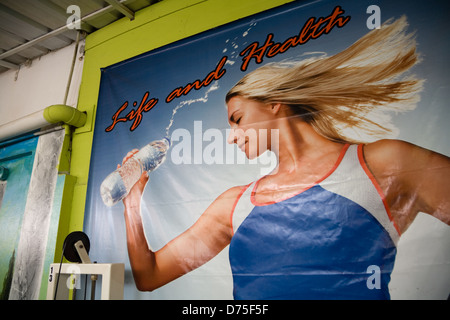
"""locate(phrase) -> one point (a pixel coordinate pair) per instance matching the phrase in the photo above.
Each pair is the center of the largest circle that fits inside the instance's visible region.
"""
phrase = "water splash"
(232, 46)
(203, 99)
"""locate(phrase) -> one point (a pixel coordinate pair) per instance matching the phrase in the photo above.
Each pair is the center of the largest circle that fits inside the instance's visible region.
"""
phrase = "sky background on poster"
(178, 194)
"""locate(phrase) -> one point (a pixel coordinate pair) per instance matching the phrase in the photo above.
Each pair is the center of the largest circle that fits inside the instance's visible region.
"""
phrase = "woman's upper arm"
(430, 180)
(412, 178)
(209, 235)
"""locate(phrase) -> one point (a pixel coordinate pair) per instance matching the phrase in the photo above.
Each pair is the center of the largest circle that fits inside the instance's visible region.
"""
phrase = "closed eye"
(235, 119)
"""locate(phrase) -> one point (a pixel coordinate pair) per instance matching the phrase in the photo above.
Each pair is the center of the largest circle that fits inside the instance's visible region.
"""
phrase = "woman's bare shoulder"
(224, 203)
(396, 155)
(220, 210)
(393, 156)
(232, 193)
(389, 147)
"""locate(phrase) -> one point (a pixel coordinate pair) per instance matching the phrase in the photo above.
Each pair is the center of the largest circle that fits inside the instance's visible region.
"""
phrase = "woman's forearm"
(142, 258)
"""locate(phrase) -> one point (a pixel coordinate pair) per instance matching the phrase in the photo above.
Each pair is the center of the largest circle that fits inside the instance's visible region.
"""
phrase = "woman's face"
(251, 124)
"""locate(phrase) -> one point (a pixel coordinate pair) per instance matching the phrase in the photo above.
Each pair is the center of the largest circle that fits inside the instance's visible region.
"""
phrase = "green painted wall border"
(158, 25)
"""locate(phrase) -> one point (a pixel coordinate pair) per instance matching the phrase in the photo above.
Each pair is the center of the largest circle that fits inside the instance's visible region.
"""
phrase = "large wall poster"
(284, 249)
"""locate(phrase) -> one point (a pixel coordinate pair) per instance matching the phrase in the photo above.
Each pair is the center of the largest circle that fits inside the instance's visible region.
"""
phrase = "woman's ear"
(275, 108)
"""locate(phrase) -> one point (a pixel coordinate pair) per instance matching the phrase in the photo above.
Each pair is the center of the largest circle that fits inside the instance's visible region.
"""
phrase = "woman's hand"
(133, 199)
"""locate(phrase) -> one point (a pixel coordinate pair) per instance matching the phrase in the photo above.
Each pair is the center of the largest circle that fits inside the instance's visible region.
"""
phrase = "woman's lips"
(242, 146)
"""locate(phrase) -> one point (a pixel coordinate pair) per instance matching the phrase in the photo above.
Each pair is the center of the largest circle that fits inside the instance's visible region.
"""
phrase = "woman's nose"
(232, 137)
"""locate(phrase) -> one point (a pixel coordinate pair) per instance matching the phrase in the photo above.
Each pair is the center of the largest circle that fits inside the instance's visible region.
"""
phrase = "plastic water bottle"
(117, 185)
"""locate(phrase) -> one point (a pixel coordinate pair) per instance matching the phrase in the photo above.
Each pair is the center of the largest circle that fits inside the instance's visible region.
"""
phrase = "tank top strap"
(242, 206)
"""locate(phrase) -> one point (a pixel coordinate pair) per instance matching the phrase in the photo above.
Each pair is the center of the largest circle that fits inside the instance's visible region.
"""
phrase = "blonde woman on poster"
(336, 205)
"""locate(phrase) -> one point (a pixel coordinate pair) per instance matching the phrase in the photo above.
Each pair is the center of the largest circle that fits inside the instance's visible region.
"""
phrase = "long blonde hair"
(345, 97)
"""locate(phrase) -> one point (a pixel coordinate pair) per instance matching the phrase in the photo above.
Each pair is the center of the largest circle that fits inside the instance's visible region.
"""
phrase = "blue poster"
(282, 156)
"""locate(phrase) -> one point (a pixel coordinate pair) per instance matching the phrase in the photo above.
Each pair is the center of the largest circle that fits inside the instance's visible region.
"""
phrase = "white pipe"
(23, 125)
(40, 119)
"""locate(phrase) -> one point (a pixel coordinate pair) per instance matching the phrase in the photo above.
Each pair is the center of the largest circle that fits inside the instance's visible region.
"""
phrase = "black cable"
(59, 272)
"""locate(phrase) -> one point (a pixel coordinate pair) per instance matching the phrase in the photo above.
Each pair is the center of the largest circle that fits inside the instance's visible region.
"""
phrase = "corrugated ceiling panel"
(45, 12)
(25, 20)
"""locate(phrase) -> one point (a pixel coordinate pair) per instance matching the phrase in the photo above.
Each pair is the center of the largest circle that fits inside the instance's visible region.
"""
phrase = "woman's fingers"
(129, 155)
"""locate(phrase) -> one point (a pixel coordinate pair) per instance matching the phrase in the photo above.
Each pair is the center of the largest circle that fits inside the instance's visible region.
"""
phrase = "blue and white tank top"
(333, 240)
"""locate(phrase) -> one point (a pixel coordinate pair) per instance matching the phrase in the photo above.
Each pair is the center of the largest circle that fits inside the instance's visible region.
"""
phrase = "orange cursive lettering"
(312, 29)
(216, 74)
(136, 115)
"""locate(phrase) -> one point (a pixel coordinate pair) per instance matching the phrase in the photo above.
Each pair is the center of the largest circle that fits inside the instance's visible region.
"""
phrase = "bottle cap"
(168, 141)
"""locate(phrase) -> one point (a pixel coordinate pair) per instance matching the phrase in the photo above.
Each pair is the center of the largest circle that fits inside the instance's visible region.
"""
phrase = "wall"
(39, 85)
